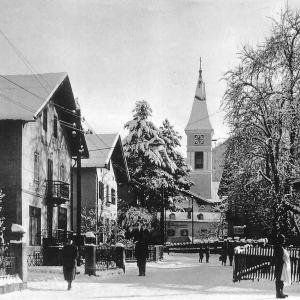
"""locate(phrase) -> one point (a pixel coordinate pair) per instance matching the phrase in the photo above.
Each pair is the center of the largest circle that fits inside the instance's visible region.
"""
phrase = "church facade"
(199, 143)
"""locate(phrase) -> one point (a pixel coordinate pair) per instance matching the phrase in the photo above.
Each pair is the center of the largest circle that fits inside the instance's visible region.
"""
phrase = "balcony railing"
(59, 192)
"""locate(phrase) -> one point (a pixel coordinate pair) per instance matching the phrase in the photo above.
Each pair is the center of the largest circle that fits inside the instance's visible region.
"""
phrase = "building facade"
(101, 176)
(36, 152)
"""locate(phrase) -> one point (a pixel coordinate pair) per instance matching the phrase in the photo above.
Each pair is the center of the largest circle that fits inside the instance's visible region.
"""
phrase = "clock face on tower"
(199, 139)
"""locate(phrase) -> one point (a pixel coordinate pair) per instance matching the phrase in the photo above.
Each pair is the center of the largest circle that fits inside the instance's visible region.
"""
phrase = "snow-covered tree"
(154, 172)
(263, 113)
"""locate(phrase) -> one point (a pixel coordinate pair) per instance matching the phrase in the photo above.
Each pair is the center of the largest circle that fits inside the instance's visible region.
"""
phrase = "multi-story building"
(101, 175)
(37, 144)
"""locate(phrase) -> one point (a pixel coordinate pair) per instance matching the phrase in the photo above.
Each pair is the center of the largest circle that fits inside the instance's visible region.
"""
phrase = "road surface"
(177, 276)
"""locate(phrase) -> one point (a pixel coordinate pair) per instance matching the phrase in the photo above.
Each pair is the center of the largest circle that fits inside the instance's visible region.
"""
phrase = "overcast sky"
(117, 52)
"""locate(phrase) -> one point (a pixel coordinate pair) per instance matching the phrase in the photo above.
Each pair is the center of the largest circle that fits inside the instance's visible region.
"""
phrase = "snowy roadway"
(177, 277)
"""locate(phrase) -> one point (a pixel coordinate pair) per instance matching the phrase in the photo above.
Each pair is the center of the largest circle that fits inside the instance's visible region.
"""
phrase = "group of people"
(281, 257)
(227, 250)
(204, 250)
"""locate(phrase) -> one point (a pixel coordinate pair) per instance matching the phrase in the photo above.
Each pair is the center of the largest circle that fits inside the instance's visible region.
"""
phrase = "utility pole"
(78, 142)
(162, 214)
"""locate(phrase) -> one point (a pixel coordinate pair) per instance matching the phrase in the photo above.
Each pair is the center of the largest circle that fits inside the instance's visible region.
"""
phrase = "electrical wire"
(26, 62)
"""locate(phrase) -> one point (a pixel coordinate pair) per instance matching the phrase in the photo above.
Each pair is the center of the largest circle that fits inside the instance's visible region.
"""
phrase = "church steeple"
(199, 142)
(199, 118)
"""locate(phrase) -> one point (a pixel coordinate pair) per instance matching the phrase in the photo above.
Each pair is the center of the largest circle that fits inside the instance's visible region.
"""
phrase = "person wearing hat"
(282, 266)
(69, 255)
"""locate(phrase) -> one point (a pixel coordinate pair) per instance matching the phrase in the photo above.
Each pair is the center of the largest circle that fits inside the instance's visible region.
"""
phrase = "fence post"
(120, 256)
(20, 251)
(90, 260)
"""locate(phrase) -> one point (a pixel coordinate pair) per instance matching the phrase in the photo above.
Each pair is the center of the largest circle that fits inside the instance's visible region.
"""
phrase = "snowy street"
(178, 276)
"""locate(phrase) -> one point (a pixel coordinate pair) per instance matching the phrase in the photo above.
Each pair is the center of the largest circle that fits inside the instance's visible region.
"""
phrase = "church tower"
(199, 142)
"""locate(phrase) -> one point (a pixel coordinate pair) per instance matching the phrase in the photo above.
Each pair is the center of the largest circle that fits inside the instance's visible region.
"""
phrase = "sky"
(119, 52)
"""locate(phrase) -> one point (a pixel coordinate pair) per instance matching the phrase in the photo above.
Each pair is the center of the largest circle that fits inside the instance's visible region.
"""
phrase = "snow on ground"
(177, 276)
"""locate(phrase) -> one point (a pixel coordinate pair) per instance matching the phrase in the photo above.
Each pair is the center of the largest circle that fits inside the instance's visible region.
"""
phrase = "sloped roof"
(104, 148)
(200, 199)
(23, 96)
(100, 148)
(199, 118)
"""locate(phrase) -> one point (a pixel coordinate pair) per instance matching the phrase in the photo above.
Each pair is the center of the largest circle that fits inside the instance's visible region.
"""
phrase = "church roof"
(199, 118)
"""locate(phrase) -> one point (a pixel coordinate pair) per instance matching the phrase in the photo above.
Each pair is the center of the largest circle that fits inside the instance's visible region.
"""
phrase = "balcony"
(58, 192)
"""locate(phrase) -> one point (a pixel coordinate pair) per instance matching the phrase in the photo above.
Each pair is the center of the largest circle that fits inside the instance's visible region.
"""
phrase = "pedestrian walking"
(224, 253)
(207, 253)
(69, 254)
(141, 254)
(201, 253)
(282, 266)
(230, 251)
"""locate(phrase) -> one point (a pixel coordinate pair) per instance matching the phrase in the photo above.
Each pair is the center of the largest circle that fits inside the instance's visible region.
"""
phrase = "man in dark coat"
(207, 253)
(201, 253)
(141, 254)
(230, 251)
(69, 254)
(224, 253)
(278, 253)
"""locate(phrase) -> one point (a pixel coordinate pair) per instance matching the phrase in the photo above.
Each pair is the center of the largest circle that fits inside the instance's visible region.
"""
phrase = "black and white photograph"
(149, 149)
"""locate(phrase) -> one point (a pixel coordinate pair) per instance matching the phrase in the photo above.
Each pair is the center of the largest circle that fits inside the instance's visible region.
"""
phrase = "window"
(62, 218)
(62, 173)
(101, 190)
(34, 226)
(55, 127)
(45, 119)
(198, 160)
(184, 232)
(172, 216)
(200, 217)
(36, 166)
(113, 196)
(170, 232)
(107, 194)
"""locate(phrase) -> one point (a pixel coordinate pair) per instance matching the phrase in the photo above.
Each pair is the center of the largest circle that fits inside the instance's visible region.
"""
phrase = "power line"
(22, 88)
(26, 62)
